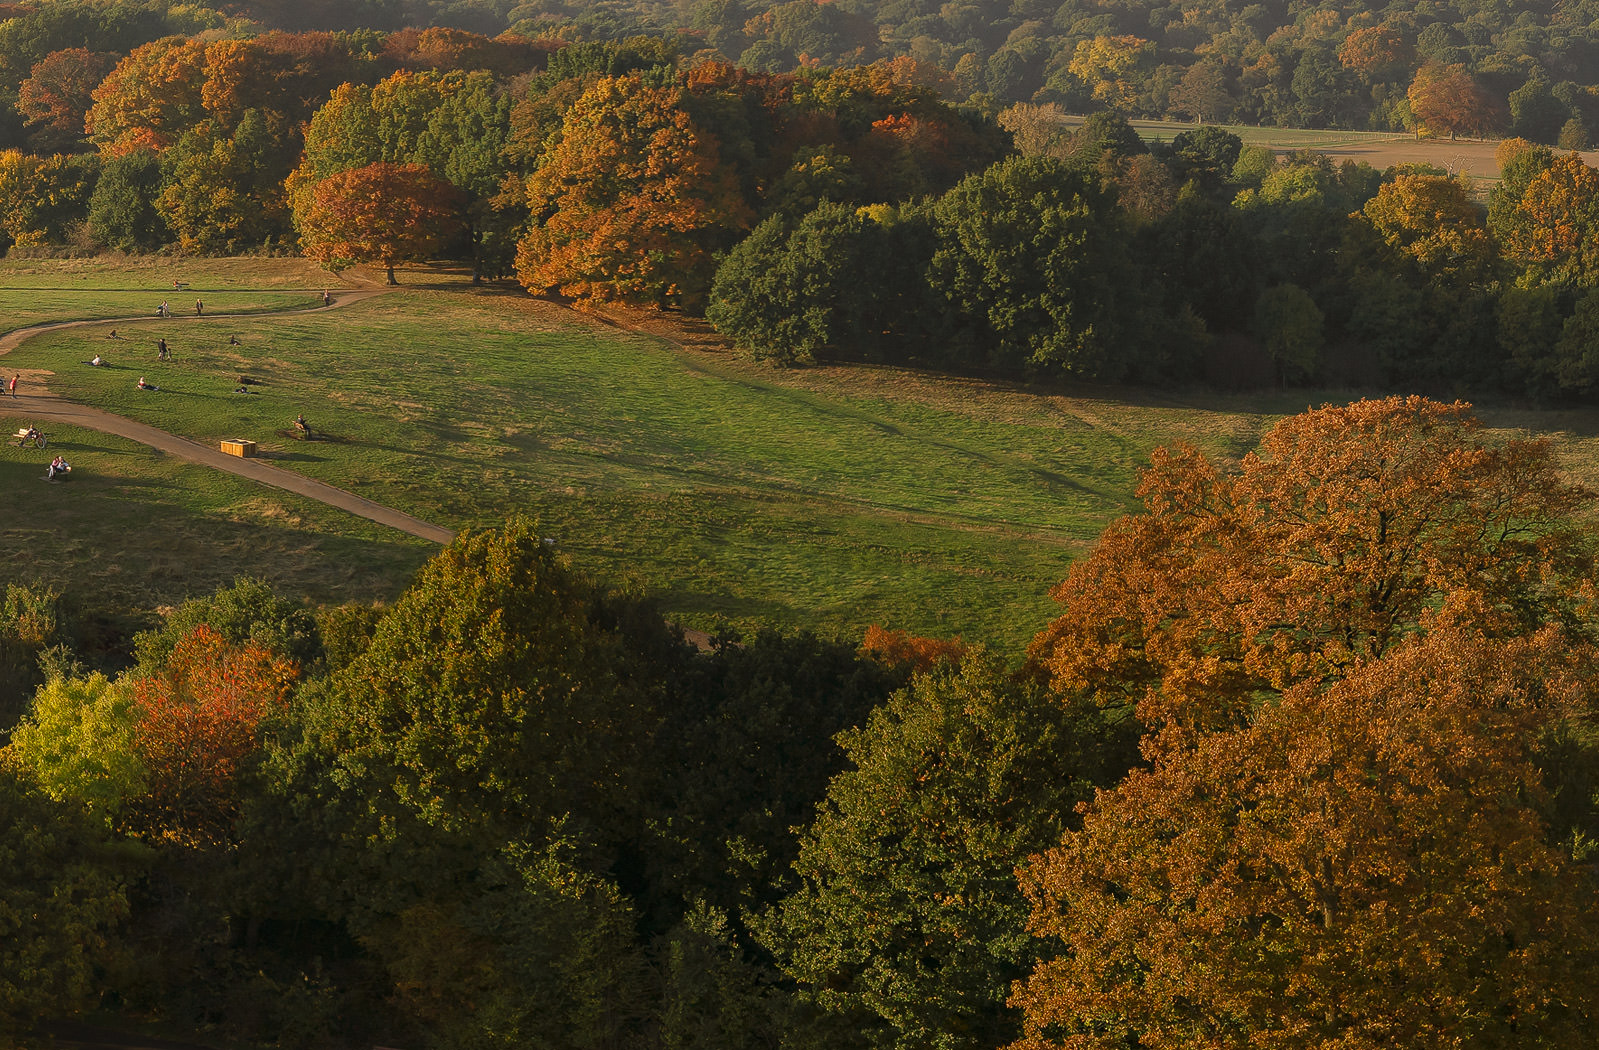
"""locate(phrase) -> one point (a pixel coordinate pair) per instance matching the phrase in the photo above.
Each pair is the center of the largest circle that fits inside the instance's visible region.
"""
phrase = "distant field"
(137, 529)
(736, 493)
(22, 308)
(156, 274)
(1380, 149)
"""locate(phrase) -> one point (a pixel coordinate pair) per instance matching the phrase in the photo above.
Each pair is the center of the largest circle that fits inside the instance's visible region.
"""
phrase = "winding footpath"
(46, 406)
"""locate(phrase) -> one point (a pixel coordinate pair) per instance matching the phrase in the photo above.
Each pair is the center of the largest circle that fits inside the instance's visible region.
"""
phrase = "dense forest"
(856, 212)
(638, 170)
(1306, 760)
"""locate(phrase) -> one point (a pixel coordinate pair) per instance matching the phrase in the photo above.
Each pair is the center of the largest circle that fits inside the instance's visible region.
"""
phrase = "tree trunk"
(389, 269)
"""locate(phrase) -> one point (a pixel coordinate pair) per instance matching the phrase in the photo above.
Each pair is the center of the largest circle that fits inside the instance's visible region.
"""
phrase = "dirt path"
(43, 405)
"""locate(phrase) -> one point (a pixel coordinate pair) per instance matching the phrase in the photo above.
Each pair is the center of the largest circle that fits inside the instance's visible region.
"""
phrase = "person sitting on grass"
(301, 425)
(147, 386)
(57, 466)
(96, 362)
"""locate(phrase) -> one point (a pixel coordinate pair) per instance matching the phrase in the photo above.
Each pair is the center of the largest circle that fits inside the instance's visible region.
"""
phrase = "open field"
(22, 308)
(827, 497)
(135, 528)
(1380, 149)
(155, 274)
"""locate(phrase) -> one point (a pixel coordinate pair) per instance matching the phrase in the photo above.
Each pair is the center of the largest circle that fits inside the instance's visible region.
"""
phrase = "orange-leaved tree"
(1447, 100)
(198, 723)
(1324, 549)
(1553, 229)
(630, 201)
(57, 94)
(1367, 865)
(381, 213)
(150, 99)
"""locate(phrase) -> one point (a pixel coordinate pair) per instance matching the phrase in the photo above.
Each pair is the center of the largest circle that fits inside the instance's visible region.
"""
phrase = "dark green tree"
(909, 927)
(1033, 264)
(59, 900)
(122, 211)
(820, 291)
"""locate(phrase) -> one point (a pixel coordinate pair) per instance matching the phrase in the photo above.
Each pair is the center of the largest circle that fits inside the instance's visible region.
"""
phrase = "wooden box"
(239, 448)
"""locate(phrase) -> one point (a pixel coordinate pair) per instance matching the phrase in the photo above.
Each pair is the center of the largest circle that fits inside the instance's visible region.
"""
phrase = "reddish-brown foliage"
(1363, 866)
(909, 651)
(1323, 550)
(381, 213)
(198, 723)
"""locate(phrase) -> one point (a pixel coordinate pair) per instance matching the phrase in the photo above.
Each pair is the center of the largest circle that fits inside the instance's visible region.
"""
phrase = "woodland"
(1305, 760)
(874, 211)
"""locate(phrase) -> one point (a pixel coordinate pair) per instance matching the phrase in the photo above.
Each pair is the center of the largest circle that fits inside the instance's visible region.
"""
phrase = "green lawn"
(134, 528)
(156, 273)
(828, 497)
(833, 497)
(24, 307)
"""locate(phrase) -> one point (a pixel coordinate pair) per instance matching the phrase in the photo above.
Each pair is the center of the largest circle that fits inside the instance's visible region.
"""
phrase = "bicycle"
(29, 436)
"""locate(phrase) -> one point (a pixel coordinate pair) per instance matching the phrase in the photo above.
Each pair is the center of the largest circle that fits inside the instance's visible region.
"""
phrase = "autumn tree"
(1202, 93)
(1112, 68)
(41, 196)
(57, 95)
(629, 201)
(1364, 864)
(197, 726)
(1380, 52)
(455, 123)
(1553, 230)
(1432, 220)
(151, 98)
(77, 743)
(1324, 550)
(385, 214)
(1449, 101)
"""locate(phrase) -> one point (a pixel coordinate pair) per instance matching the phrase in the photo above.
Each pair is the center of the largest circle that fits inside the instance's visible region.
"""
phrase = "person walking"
(161, 311)
(199, 308)
(13, 384)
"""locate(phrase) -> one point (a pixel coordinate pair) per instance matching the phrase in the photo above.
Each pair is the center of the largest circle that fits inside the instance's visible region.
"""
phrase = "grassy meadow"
(735, 493)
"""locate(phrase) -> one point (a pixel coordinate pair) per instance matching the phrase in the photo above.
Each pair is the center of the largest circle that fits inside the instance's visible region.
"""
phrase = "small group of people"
(58, 466)
(162, 351)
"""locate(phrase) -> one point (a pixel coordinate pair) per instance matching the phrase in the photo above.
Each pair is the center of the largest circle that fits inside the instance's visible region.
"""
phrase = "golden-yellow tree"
(1432, 219)
(1360, 867)
(630, 201)
(1350, 656)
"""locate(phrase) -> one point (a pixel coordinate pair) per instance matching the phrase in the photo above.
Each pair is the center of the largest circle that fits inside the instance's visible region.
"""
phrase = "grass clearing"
(133, 528)
(155, 274)
(25, 307)
(736, 493)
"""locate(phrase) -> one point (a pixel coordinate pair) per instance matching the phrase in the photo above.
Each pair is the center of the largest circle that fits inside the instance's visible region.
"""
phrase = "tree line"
(1306, 759)
(829, 214)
